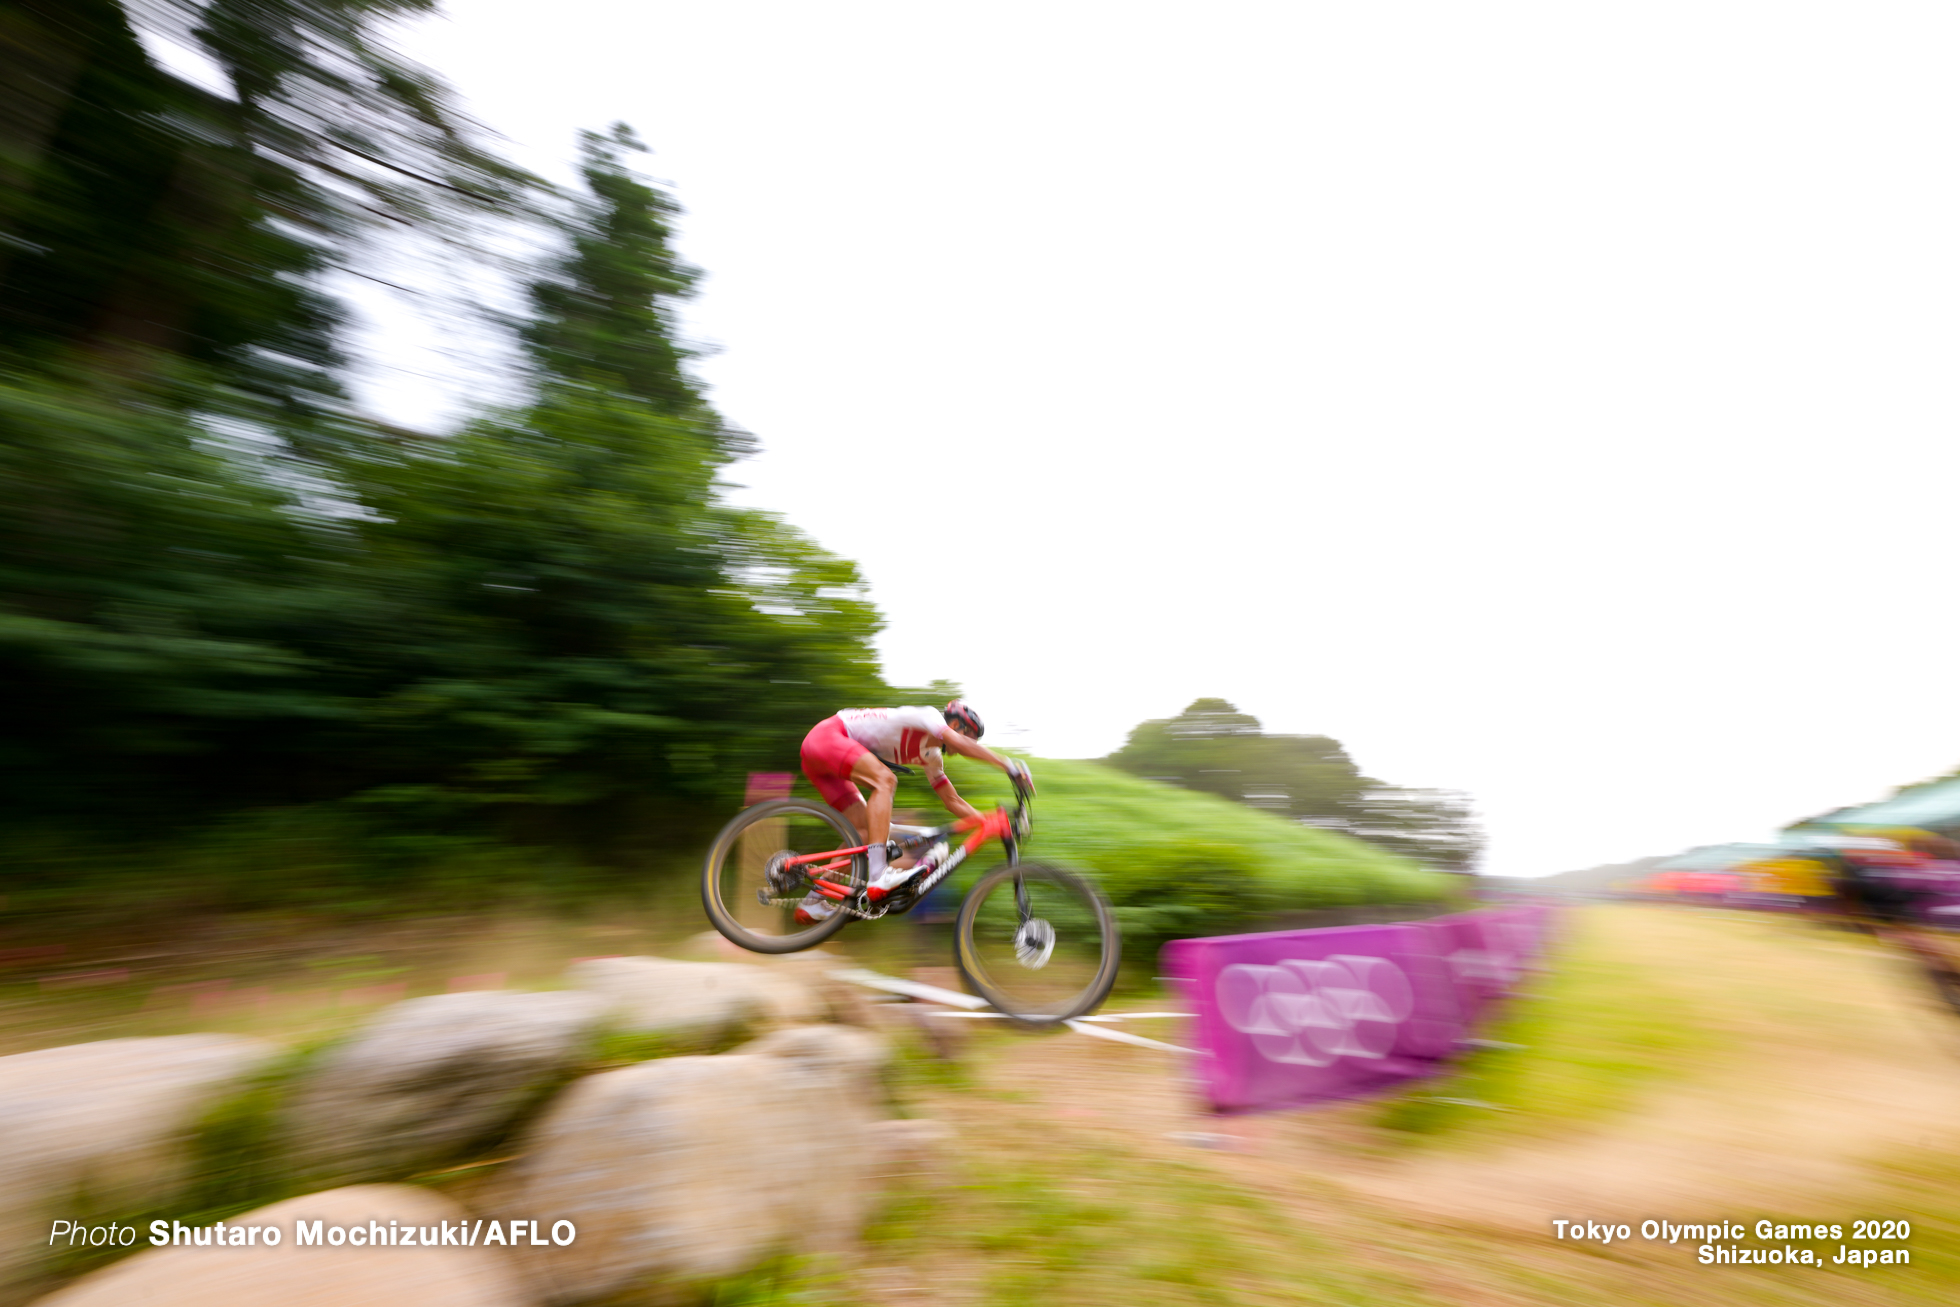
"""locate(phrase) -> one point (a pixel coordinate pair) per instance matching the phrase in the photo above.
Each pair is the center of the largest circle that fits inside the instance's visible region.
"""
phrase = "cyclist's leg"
(830, 758)
(878, 817)
(878, 778)
(860, 816)
(829, 755)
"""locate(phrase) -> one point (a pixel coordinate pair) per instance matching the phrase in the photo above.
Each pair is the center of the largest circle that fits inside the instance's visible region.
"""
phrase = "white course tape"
(972, 1004)
(1124, 1037)
(909, 988)
(1103, 1016)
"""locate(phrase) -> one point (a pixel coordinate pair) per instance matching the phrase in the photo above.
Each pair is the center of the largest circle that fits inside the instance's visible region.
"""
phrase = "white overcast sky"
(1555, 402)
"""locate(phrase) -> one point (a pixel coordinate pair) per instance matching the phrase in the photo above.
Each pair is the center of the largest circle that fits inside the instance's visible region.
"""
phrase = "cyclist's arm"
(957, 743)
(942, 784)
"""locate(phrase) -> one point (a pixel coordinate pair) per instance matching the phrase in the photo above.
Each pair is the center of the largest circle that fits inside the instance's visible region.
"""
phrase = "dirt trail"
(1833, 1059)
(1828, 1058)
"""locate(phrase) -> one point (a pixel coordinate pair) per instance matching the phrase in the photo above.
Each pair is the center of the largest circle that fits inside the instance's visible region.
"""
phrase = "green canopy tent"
(1934, 807)
(1719, 857)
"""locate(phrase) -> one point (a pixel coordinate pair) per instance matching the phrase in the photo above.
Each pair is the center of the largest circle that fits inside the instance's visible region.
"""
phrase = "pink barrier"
(766, 785)
(1305, 1016)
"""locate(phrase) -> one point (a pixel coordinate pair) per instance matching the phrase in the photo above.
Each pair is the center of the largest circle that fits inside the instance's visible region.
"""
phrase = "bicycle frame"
(761, 849)
(1009, 827)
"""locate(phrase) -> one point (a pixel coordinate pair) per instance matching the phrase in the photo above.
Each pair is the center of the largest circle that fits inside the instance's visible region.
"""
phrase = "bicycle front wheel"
(1038, 943)
(752, 896)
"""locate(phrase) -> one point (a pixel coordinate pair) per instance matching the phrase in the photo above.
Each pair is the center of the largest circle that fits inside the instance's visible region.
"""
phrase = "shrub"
(1169, 888)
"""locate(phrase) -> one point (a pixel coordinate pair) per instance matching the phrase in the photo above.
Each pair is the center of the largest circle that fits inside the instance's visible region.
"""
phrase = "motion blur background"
(1545, 407)
(1346, 447)
(1550, 404)
(257, 619)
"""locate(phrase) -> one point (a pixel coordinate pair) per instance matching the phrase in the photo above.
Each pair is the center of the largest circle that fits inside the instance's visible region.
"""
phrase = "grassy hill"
(1176, 862)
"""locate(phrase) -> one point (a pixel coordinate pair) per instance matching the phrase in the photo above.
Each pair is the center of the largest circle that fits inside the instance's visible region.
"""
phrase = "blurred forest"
(244, 626)
(225, 596)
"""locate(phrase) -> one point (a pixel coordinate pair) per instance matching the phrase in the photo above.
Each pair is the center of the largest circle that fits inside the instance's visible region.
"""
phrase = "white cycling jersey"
(901, 735)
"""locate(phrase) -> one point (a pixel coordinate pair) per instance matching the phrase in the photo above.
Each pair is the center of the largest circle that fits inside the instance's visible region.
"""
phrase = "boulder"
(700, 1002)
(108, 1121)
(905, 1148)
(713, 946)
(942, 1032)
(289, 1275)
(430, 1077)
(828, 998)
(816, 970)
(856, 1057)
(685, 1170)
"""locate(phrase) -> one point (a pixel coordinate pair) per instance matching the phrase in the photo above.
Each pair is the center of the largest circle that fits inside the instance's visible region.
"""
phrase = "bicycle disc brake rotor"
(1033, 943)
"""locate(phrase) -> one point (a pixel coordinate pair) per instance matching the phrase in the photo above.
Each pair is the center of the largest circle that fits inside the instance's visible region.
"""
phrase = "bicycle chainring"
(860, 907)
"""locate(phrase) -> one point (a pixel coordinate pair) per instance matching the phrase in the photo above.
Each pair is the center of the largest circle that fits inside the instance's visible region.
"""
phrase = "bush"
(1165, 889)
(1177, 863)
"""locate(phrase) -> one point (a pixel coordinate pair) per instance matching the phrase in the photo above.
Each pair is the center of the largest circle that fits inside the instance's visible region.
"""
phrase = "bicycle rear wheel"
(759, 912)
(1038, 943)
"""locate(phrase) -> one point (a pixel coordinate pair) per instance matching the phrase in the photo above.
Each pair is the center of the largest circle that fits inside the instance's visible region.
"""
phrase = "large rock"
(108, 1120)
(854, 1057)
(690, 1169)
(814, 970)
(432, 1076)
(289, 1275)
(694, 1001)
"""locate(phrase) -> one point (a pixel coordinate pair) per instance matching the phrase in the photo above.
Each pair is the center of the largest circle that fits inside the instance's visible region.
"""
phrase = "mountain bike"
(1038, 943)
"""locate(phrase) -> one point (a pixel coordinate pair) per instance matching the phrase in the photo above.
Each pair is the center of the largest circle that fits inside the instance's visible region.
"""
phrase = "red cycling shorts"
(828, 755)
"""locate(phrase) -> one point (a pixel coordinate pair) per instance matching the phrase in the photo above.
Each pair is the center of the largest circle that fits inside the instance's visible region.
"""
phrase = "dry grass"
(1691, 1067)
(1680, 1065)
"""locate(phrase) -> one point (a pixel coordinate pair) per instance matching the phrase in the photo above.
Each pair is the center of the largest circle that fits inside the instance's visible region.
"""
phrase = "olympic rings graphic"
(1310, 1013)
(1499, 966)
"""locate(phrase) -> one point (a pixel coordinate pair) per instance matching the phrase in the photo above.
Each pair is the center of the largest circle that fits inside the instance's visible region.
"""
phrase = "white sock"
(875, 855)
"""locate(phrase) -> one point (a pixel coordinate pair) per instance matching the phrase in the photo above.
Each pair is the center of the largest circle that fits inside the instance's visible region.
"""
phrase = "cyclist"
(1891, 876)
(862, 746)
(1897, 883)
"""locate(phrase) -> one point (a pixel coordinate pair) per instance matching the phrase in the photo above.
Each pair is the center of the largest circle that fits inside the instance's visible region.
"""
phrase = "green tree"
(1212, 746)
(221, 591)
(143, 218)
(161, 615)
(1437, 828)
(570, 614)
(174, 607)
(606, 314)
